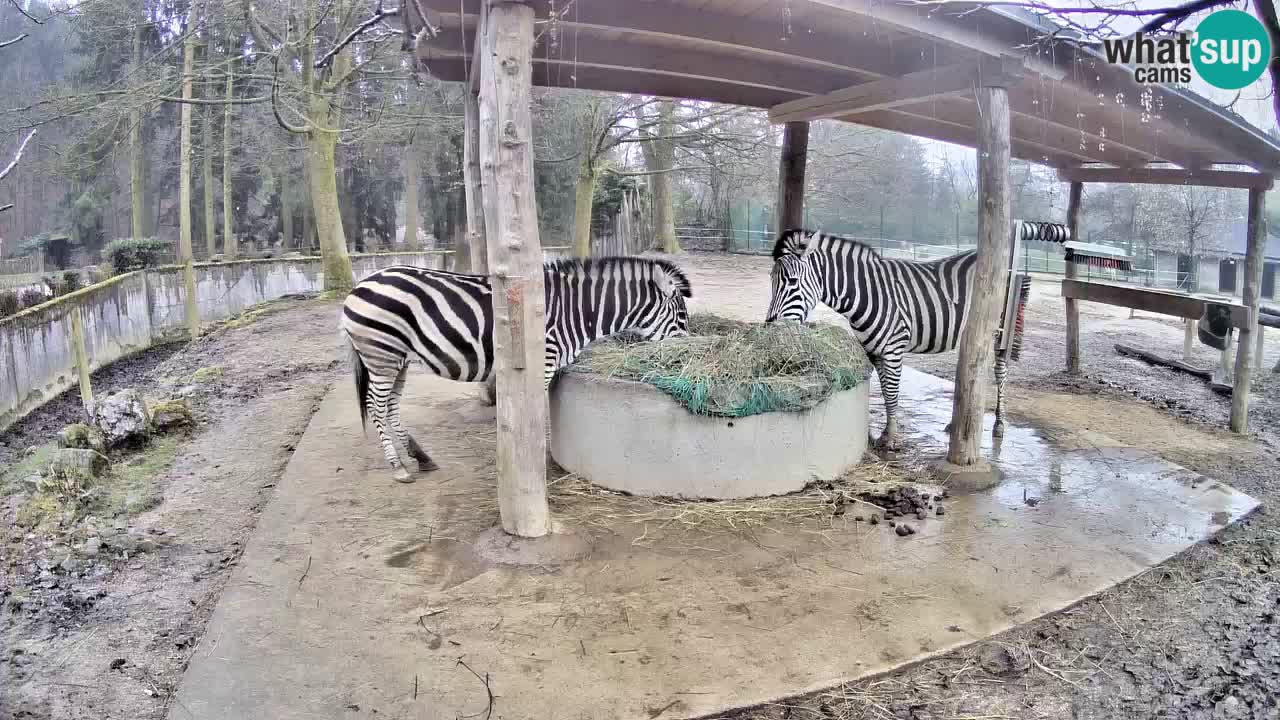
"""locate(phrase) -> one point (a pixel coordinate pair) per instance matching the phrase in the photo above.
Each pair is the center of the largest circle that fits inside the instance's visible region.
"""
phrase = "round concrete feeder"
(629, 436)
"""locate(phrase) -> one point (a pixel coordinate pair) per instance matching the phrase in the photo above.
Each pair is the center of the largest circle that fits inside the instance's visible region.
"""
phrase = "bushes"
(127, 254)
(9, 304)
(30, 298)
(69, 284)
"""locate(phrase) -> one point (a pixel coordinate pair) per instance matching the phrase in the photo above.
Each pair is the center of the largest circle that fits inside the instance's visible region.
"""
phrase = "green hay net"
(729, 368)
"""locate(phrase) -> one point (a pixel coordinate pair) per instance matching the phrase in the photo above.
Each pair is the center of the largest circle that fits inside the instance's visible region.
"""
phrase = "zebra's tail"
(361, 374)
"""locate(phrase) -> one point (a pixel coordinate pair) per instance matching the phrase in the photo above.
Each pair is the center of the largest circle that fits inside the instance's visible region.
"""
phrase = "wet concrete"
(359, 597)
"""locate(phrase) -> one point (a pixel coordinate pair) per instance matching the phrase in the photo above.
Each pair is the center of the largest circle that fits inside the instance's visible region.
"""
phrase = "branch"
(6, 207)
(1168, 15)
(378, 16)
(275, 106)
(4, 173)
(262, 35)
(14, 41)
(28, 15)
(201, 101)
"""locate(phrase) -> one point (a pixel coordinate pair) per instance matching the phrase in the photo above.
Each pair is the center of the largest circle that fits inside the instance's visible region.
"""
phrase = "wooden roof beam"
(935, 27)
(1168, 176)
(904, 90)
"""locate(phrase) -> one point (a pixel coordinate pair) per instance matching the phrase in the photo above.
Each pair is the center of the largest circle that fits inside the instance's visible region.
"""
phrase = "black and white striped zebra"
(445, 320)
(893, 306)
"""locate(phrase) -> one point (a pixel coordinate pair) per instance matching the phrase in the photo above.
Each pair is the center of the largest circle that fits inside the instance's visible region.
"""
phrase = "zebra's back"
(443, 318)
(932, 299)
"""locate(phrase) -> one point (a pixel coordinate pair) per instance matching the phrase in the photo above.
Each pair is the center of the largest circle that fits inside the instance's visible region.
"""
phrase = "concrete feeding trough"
(732, 411)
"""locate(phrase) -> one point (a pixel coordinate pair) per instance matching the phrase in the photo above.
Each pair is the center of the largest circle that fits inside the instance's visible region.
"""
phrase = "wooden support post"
(1188, 340)
(81, 355)
(989, 281)
(515, 259)
(795, 152)
(1073, 307)
(471, 182)
(1251, 298)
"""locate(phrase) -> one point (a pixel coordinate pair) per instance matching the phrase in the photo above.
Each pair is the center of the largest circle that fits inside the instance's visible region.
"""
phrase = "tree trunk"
(471, 185)
(410, 164)
(206, 170)
(515, 254)
(989, 280)
(1074, 201)
(192, 313)
(286, 218)
(228, 232)
(659, 159)
(137, 181)
(582, 202)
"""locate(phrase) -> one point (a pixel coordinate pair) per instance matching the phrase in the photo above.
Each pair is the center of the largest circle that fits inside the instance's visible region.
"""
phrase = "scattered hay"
(730, 368)
(208, 374)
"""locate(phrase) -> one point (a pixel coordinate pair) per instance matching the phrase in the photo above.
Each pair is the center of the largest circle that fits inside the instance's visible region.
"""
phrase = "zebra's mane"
(795, 241)
(598, 265)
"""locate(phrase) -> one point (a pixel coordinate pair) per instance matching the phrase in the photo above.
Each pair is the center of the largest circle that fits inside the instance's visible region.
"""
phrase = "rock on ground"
(121, 417)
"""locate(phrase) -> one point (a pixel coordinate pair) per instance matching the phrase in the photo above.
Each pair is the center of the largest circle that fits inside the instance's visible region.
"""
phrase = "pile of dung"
(729, 368)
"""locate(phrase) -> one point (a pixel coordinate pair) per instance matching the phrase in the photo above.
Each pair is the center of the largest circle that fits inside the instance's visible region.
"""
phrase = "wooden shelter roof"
(883, 64)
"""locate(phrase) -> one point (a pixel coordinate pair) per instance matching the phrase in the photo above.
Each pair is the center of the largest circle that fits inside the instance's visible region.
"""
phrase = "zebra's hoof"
(889, 443)
(998, 430)
(402, 476)
(427, 465)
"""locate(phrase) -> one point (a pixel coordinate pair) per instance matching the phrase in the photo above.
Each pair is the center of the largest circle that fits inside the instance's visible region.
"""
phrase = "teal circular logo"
(1232, 49)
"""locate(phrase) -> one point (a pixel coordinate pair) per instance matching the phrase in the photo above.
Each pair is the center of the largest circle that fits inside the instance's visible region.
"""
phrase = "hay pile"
(729, 368)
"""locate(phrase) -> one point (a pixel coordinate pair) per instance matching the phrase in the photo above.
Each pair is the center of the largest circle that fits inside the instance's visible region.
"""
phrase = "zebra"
(893, 306)
(445, 320)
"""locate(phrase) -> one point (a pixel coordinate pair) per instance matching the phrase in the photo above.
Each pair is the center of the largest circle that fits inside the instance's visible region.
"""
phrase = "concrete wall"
(131, 312)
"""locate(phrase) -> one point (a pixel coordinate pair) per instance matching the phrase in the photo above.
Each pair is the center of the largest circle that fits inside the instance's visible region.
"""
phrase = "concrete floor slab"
(362, 598)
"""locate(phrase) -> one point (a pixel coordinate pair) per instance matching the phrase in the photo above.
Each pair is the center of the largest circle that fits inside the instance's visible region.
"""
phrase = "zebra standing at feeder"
(896, 307)
(445, 320)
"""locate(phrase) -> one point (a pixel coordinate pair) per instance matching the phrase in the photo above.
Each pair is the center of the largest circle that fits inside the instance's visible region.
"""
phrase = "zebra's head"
(795, 281)
(670, 315)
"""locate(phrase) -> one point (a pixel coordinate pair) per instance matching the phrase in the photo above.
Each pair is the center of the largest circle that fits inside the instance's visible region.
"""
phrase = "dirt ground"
(1195, 638)
(108, 634)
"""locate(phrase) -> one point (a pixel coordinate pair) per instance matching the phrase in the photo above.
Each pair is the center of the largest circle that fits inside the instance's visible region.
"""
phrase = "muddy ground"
(107, 634)
(1197, 637)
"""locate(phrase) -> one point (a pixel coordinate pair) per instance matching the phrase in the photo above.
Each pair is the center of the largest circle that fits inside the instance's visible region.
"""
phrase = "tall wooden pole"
(515, 260)
(791, 166)
(1252, 293)
(1073, 308)
(977, 344)
(190, 302)
(471, 182)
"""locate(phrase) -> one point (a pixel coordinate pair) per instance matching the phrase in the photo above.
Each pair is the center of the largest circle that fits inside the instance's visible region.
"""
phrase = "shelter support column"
(1251, 299)
(515, 261)
(471, 183)
(1073, 307)
(795, 152)
(990, 279)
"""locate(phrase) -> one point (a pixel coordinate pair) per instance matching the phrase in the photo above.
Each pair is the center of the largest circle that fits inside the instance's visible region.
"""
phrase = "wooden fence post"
(81, 355)
(987, 291)
(1073, 308)
(791, 166)
(515, 259)
(1251, 298)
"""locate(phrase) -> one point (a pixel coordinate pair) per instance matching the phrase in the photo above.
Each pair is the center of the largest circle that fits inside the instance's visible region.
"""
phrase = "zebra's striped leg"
(407, 441)
(1002, 374)
(890, 371)
(381, 389)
